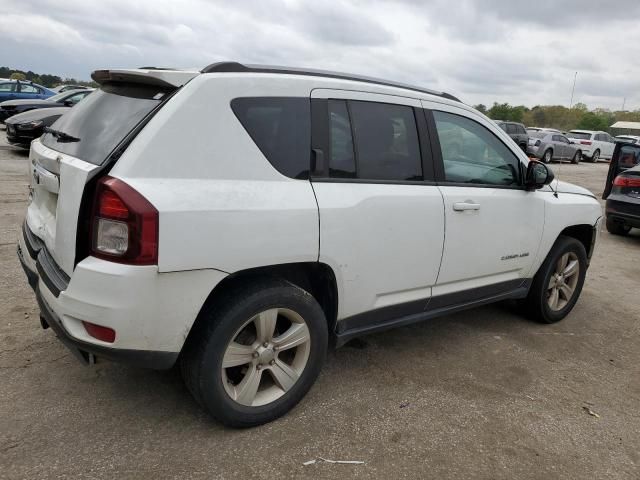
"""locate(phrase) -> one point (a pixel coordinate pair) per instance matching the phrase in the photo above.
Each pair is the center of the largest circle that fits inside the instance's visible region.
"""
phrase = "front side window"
(511, 129)
(7, 87)
(472, 154)
(382, 137)
(281, 129)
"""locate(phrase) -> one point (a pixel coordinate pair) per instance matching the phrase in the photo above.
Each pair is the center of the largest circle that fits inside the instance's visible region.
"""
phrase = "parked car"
(622, 190)
(516, 131)
(15, 90)
(548, 146)
(594, 145)
(298, 208)
(13, 107)
(627, 139)
(65, 88)
(25, 127)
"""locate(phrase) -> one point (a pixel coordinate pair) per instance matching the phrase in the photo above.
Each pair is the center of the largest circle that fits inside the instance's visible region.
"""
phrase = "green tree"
(481, 108)
(592, 121)
(18, 76)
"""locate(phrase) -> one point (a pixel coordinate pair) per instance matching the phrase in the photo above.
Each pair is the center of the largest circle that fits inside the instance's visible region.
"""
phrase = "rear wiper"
(61, 136)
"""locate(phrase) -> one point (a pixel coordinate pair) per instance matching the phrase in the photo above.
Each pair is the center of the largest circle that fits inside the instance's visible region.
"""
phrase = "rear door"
(29, 92)
(493, 225)
(381, 215)
(62, 163)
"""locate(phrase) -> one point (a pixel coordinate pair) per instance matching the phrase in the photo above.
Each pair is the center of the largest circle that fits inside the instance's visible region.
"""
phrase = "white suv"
(594, 145)
(241, 219)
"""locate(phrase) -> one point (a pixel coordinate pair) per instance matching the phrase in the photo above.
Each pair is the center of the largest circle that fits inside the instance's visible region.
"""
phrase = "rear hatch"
(83, 143)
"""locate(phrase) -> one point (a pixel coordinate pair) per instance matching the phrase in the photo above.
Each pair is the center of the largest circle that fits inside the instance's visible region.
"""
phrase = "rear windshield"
(102, 120)
(538, 134)
(579, 136)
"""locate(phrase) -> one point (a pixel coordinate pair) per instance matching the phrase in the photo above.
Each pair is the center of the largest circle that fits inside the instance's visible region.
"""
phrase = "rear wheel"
(596, 156)
(548, 155)
(558, 283)
(577, 157)
(617, 228)
(257, 354)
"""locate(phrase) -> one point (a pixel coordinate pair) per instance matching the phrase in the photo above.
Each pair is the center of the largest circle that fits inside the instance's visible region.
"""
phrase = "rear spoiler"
(156, 77)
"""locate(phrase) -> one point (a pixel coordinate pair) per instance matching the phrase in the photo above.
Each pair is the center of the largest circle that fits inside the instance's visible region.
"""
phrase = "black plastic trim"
(235, 67)
(33, 243)
(424, 309)
(53, 277)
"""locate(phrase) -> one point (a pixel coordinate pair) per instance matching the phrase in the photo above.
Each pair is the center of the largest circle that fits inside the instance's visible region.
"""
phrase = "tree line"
(44, 79)
(557, 116)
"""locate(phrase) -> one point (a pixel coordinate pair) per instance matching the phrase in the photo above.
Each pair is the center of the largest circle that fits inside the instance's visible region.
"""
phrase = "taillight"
(585, 142)
(105, 334)
(124, 224)
(537, 144)
(623, 182)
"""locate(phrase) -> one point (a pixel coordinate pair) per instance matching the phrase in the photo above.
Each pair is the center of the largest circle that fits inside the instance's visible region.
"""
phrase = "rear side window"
(511, 129)
(94, 127)
(384, 139)
(281, 129)
(520, 129)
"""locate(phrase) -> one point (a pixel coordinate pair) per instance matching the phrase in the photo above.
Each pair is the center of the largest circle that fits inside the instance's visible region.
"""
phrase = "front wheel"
(257, 354)
(558, 283)
(577, 157)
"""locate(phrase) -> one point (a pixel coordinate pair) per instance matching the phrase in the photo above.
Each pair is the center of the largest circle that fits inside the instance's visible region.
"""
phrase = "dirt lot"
(480, 394)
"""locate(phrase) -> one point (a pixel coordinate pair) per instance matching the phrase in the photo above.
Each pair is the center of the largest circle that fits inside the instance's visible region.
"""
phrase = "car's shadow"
(131, 388)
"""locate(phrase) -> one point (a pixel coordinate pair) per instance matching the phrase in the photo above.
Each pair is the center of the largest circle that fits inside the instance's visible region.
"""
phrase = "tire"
(221, 323)
(523, 146)
(541, 296)
(547, 156)
(595, 156)
(617, 228)
(576, 158)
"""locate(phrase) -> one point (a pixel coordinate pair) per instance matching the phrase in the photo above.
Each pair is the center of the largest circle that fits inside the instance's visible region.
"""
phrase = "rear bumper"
(85, 351)
(623, 211)
(151, 313)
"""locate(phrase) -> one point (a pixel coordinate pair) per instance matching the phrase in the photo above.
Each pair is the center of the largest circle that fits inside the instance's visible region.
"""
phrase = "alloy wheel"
(563, 282)
(266, 357)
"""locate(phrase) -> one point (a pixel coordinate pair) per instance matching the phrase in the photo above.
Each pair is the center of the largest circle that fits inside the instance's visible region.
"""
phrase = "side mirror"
(68, 103)
(538, 175)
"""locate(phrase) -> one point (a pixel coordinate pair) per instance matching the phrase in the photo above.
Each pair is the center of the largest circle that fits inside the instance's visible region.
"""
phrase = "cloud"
(482, 51)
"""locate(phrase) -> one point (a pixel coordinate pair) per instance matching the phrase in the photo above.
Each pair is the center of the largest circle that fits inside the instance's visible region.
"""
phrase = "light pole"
(572, 90)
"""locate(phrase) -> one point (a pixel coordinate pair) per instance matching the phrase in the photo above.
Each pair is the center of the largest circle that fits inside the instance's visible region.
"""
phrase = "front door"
(381, 215)
(493, 225)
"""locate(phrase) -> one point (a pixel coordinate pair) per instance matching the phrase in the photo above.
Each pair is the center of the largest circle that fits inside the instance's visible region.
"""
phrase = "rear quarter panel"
(222, 205)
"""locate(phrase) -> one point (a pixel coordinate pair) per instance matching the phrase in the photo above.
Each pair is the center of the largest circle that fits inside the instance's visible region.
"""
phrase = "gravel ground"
(479, 394)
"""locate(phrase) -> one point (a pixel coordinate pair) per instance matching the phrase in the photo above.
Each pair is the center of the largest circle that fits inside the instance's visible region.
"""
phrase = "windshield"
(57, 97)
(102, 120)
(579, 136)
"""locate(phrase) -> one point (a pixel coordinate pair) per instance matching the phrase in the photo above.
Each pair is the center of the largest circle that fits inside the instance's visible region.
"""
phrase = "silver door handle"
(462, 206)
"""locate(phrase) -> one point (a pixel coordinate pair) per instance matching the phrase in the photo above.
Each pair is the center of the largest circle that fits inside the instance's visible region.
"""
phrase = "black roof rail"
(231, 67)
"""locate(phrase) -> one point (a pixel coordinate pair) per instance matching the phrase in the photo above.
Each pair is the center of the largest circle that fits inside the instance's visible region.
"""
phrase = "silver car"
(548, 146)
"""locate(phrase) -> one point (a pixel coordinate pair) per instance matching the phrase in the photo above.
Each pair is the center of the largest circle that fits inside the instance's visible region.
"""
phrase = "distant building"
(625, 128)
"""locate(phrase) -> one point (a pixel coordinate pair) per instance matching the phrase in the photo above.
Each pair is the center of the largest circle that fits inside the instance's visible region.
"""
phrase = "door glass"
(386, 140)
(472, 154)
(629, 157)
(511, 129)
(24, 88)
(342, 162)
(7, 87)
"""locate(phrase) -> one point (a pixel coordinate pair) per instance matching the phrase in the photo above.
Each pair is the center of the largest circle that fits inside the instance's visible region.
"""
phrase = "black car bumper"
(4, 114)
(85, 352)
(624, 209)
(22, 137)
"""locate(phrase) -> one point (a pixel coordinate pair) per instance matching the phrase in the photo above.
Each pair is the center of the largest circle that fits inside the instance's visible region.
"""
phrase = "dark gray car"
(548, 146)
(516, 131)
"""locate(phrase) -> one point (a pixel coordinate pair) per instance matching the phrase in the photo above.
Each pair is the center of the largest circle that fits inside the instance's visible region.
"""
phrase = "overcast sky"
(517, 51)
